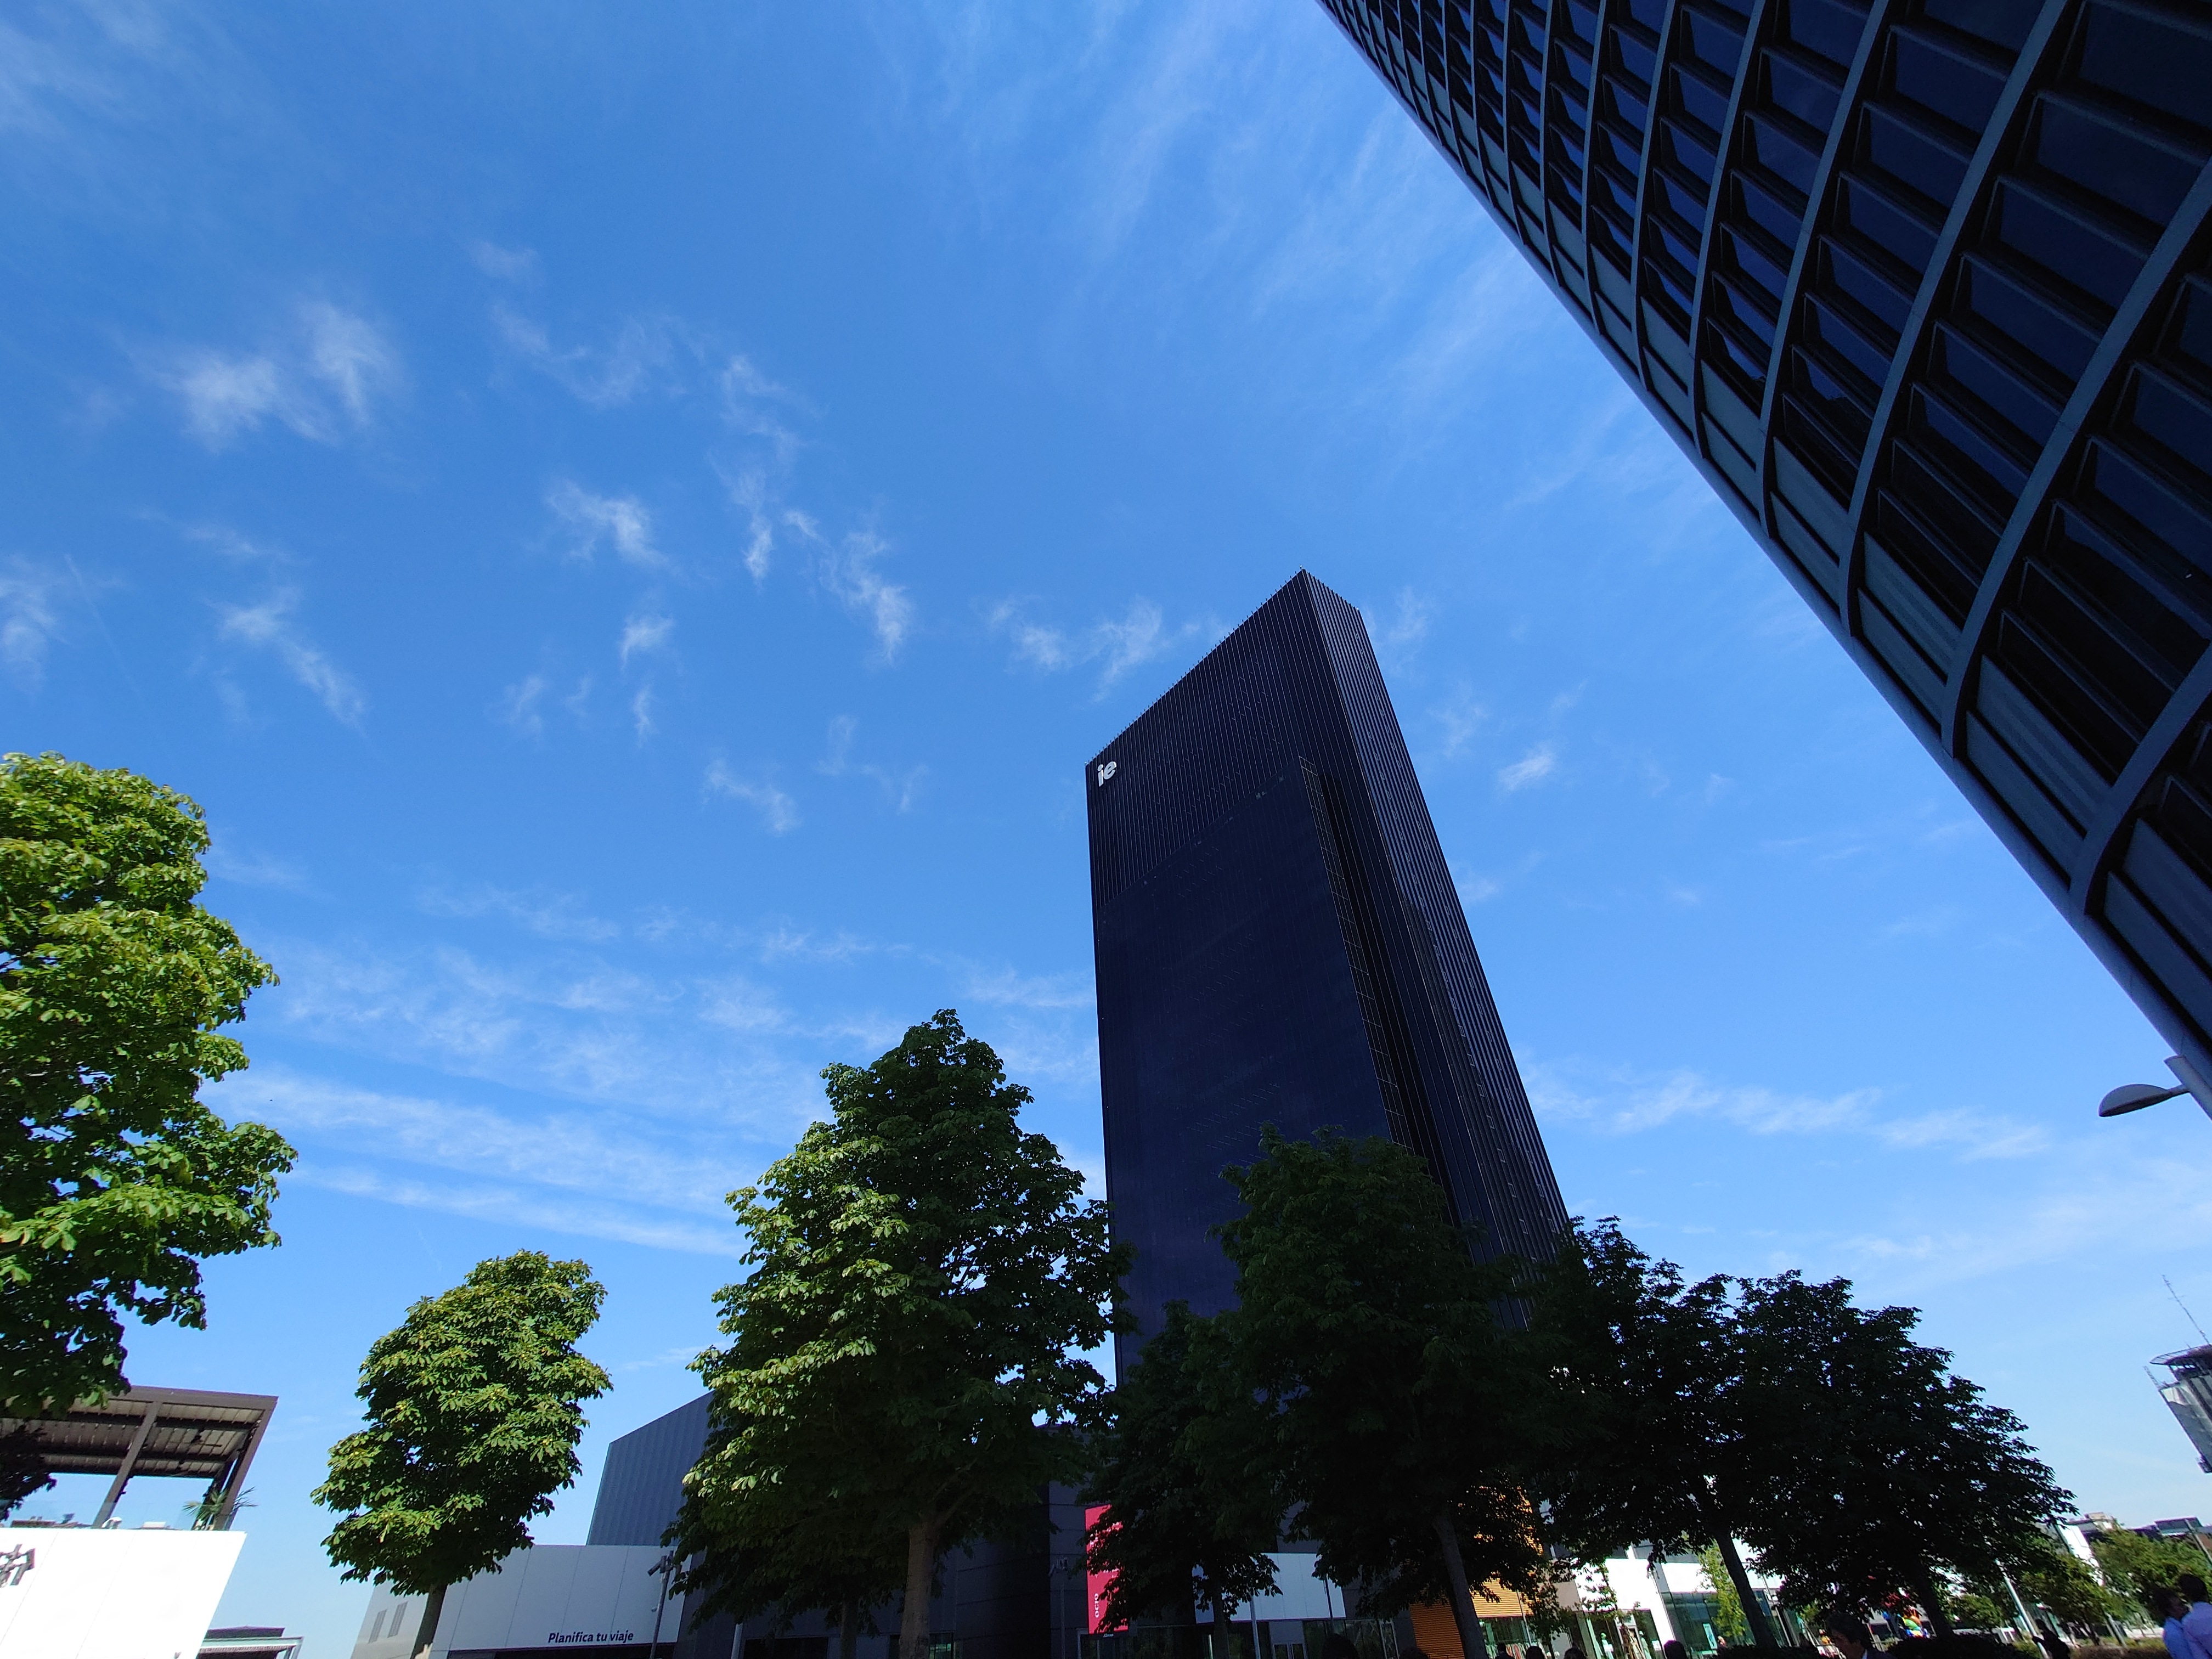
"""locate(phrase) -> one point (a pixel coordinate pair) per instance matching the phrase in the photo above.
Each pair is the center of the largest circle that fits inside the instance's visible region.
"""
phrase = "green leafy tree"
(1636, 1433)
(475, 1405)
(925, 1278)
(22, 1468)
(1184, 1517)
(1880, 1469)
(115, 1181)
(772, 1521)
(1975, 1609)
(1730, 1620)
(2144, 1568)
(2052, 1576)
(1365, 1325)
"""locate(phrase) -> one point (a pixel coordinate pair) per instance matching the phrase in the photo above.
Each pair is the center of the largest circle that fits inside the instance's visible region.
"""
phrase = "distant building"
(1279, 941)
(2187, 1391)
(1022, 1598)
(1922, 289)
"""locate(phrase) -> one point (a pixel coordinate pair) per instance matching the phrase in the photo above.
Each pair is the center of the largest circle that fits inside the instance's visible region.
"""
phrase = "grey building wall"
(642, 1485)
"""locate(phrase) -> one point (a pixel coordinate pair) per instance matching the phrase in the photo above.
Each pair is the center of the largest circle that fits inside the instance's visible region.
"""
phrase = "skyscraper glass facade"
(1925, 290)
(1279, 941)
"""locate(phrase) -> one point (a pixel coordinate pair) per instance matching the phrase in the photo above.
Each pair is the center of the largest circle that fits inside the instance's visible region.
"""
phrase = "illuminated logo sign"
(1106, 770)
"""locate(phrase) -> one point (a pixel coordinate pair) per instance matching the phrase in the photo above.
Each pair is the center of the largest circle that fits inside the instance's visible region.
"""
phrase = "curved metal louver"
(1925, 287)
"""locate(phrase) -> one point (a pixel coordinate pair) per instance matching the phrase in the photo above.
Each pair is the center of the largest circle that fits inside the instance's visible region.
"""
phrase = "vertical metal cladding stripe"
(1756, 33)
(1819, 209)
(1387, 1069)
(2155, 760)
(1668, 31)
(1397, 1067)
(1603, 22)
(2037, 63)
(1498, 1113)
(2130, 335)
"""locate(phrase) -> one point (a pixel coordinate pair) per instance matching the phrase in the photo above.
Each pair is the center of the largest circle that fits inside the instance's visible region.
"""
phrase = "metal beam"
(129, 1463)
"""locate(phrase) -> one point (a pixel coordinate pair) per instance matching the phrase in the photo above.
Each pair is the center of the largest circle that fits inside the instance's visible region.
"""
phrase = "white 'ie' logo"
(1106, 770)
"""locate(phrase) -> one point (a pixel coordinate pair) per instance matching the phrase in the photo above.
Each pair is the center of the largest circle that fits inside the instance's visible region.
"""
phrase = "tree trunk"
(848, 1628)
(427, 1633)
(1931, 1603)
(1754, 1616)
(1471, 1645)
(1222, 1647)
(921, 1574)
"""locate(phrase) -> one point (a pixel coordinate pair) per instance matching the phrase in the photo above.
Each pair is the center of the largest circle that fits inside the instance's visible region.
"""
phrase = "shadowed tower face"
(1924, 289)
(1279, 941)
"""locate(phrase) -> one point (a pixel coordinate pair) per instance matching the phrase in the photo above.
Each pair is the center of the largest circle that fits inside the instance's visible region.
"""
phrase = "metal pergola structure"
(183, 1432)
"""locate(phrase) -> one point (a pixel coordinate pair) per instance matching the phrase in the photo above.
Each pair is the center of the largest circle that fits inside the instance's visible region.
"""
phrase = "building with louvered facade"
(1924, 289)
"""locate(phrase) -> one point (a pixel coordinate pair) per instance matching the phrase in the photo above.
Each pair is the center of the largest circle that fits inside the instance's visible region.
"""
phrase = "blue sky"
(631, 520)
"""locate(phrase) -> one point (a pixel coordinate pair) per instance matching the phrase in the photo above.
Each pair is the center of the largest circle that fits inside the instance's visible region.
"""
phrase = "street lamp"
(2133, 1097)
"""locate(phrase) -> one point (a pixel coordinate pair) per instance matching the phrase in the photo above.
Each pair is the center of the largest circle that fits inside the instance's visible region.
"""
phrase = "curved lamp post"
(2133, 1097)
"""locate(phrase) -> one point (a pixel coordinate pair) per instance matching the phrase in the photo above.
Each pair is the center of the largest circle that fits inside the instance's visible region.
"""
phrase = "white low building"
(110, 1593)
(553, 1598)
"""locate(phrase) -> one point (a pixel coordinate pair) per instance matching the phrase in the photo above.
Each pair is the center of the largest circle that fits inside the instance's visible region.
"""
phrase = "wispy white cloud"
(226, 862)
(1458, 719)
(748, 490)
(899, 787)
(544, 916)
(778, 813)
(1405, 626)
(270, 627)
(507, 264)
(29, 621)
(1623, 1101)
(849, 571)
(521, 706)
(1008, 987)
(643, 633)
(563, 1150)
(561, 1020)
(739, 1005)
(322, 379)
(623, 521)
(641, 357)
(753, 404)
(1116, 644)
(1533, 767)
(555, 1212)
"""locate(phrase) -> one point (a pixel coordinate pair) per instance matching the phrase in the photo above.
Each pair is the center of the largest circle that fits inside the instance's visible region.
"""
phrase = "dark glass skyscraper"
(1922, 287)
(1279, 941)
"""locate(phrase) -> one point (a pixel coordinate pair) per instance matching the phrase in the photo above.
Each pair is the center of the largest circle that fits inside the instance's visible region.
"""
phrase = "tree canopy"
(1879, 1467)
(475, 1405)
(2144, 1568)
(115, 1180)
(1365, 1325)
(1637, 1434)
(1185, 1515)
(925, 1278)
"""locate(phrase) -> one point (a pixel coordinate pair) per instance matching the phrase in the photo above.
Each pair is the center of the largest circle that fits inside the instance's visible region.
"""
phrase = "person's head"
(2167, 1603)
(1673, 1650)
(2193, 1586)
(1848, 1633)
(1338, 1645)
(1573, 1652)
